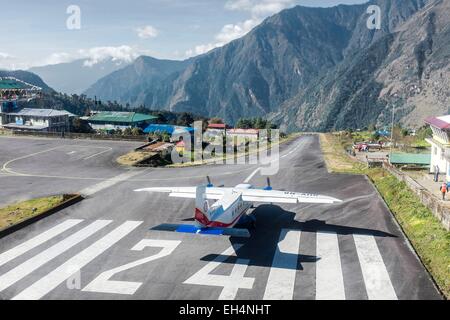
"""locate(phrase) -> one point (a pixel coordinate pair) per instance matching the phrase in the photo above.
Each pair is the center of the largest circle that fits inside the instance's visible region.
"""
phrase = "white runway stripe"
(46, 284)
(36, 241)
(329, 278)
(89, 191)
(47, 255)
(376, 278)
(250, 177)
(280, 285)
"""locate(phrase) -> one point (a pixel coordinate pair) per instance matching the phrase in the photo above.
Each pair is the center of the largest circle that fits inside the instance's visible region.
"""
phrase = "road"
(102, 248)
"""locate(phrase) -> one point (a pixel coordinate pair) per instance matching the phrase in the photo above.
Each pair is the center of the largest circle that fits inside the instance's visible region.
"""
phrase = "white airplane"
(231, 206)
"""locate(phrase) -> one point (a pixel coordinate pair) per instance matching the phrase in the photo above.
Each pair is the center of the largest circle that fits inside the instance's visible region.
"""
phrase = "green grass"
(19, 212)
(427, 235)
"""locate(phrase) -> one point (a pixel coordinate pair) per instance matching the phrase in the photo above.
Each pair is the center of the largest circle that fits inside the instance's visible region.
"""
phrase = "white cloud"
(231, 32)
(147, 32)
(91, 56)
(100, 54)
(258, 9)
(57, 58)
(5, 56)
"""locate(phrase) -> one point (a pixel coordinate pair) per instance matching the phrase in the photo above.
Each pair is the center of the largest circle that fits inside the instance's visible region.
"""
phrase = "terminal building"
(43, 120)
(440, 145)
(119, 120)
(12, 92)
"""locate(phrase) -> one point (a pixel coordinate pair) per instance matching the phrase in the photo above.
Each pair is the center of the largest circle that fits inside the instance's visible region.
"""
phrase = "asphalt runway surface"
(103, 248)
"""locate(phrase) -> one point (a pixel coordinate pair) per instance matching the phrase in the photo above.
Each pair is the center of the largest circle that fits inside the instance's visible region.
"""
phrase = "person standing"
(444, 190)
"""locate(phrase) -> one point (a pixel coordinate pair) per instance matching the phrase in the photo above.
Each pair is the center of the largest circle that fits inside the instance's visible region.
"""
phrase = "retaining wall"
(437, 207)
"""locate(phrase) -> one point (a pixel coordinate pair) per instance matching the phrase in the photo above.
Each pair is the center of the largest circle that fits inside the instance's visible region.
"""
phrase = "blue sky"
(170, 29)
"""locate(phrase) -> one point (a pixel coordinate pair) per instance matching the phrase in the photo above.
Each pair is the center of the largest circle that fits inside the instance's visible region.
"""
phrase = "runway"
(102, 248)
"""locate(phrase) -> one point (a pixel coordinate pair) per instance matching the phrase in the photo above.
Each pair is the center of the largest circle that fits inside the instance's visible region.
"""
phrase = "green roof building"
(119, 120)
(12, 89)
(410, 159)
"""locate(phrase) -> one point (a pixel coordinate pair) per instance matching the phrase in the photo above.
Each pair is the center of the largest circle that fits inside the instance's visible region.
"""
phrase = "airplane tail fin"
(201, 206)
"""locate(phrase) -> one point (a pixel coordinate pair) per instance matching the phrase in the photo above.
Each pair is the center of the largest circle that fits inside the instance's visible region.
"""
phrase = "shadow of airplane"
(271, 220)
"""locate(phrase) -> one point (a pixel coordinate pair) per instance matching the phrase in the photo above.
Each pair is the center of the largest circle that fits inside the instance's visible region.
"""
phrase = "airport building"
(440, 145)
(44, 120)
(119, 120)
(168, 129)
(13, 91)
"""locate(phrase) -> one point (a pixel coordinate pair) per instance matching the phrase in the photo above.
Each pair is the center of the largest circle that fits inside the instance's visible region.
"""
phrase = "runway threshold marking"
(24, 269)
(280, 285)
(38, 240)
(49, 282)
(329, 278)
(89, 191)
(376, 277)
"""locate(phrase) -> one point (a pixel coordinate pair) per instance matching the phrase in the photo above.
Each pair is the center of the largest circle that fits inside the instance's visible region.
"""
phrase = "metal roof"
(166, 128)
(442, 123)
(243, 131)
(217, 126)
(47, 113)
(11, 83)
(410, 158)
(121, 117)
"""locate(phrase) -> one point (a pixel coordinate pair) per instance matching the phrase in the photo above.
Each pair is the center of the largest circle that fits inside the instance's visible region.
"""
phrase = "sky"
(37, 32)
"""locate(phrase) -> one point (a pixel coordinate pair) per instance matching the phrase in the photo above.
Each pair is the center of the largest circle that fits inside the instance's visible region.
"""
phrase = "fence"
(440, 210)
(73, 135)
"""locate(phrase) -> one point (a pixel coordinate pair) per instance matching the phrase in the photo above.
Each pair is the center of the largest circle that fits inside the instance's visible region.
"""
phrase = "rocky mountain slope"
(406, 70)
(308, 69)
(140, 82)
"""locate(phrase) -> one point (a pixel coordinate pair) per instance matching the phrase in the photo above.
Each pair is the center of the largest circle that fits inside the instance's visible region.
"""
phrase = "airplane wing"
(185, 228)
(188, 192)
(274, 196)
(250, 195)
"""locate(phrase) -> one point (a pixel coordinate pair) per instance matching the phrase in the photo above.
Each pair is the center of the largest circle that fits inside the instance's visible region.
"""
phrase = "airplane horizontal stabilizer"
(187, 228)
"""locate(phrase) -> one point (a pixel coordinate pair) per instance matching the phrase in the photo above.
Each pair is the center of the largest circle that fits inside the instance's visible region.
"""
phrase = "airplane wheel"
(252, 224)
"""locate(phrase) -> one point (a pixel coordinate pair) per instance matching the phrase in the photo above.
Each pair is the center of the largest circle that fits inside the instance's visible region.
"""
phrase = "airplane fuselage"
(226, 212)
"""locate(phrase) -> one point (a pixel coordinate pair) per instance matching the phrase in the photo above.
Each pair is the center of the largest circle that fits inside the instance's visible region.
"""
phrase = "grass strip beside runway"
(19, 212)
(427, 235)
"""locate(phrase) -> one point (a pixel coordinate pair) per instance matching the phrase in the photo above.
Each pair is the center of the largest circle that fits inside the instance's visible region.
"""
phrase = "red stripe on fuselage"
(203, 219)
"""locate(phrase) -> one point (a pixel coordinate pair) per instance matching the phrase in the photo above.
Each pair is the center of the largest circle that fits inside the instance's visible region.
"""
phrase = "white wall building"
(48, 120)
(440, 145)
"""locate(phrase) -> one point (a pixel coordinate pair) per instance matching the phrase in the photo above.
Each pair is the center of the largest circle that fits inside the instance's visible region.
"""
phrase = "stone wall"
(436, 206)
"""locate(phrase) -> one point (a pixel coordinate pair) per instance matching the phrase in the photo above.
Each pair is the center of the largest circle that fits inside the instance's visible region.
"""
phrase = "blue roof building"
(167, 128)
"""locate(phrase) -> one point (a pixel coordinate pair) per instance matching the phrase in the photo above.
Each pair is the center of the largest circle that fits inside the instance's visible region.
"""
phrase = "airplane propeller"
(269, 187)
(209, 185)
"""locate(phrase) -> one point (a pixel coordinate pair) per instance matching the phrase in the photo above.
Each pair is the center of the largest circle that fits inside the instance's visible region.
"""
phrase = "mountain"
(407, 70)
(28, 77)
(138, 82)
(311, 69)
(77, 76)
